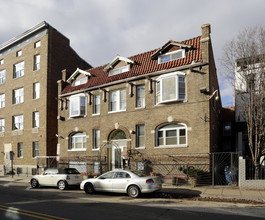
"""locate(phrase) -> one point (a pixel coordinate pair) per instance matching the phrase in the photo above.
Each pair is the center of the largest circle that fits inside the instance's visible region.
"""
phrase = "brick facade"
(199, 111)
(55, 54)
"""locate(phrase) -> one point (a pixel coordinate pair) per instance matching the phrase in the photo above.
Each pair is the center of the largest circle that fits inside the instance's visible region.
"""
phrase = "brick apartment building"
(30, 65)
(150, 107)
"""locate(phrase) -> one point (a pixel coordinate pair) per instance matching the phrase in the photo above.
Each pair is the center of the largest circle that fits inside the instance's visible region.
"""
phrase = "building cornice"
(24, 35)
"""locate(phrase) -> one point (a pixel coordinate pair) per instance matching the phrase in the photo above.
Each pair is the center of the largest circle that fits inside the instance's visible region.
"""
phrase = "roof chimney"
(206, 31)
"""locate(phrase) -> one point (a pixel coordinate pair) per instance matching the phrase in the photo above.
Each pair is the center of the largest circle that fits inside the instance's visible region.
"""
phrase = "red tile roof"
(144, 65)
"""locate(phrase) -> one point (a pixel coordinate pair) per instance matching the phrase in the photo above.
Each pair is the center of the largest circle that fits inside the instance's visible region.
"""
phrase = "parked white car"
(121, 181)
(61, 178)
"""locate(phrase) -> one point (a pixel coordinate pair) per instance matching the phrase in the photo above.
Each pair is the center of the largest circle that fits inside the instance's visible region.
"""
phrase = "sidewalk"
(186, 191)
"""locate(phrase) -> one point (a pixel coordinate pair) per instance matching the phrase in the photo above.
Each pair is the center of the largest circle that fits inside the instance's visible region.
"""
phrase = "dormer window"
(119, 70)
(175, 55)
(119, 65)
(80, 81)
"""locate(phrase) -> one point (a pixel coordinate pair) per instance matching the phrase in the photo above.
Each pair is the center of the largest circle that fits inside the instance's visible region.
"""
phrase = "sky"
(99, 30)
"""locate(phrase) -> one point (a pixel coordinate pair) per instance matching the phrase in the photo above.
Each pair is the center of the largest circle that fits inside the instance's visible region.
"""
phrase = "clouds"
(101, 29)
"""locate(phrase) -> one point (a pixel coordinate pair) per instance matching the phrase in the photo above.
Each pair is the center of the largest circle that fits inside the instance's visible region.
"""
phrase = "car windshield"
(138, 173)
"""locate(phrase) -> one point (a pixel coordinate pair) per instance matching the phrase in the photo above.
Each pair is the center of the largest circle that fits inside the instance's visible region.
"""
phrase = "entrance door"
(118, 149)
(8, 148)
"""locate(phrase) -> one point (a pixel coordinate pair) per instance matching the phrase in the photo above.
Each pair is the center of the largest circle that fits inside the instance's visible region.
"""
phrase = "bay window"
(77, 105)
(171, 87)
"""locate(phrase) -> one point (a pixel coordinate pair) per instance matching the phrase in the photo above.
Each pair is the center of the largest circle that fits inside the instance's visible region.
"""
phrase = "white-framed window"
(77, 141)
(19, 53)
(2, 125)
(119, 70)
(140, 135)
(80, 81)
(171, 134)
(117, 100)
(36, 90)
(2, 76)
(18, 96)
(35, 149)
(175, 55)
(36, 62)
(77, 105)
(19, 150)
(171, 87)
(2, 62)
(19, 70)
(18, 122)
(96, 105)
(140, 96)
(96, 139)
(37, 44)
(36, 120)
(2, 100)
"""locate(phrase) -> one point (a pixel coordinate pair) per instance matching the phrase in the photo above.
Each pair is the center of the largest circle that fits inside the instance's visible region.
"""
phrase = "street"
(18, 201)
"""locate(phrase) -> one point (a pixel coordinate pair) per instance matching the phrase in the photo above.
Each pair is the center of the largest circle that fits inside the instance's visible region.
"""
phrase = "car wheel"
(62, 185)
(34, 183)
(89, 189)
(134, 191)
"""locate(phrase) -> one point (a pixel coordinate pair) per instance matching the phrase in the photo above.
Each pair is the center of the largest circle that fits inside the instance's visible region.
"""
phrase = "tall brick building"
(151, 107)
(30, 65)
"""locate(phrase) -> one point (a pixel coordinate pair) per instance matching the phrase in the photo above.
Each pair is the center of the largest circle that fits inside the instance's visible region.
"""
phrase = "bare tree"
(244, 61)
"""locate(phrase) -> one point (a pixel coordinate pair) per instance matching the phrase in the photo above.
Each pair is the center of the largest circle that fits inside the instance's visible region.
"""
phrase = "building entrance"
(117, 152)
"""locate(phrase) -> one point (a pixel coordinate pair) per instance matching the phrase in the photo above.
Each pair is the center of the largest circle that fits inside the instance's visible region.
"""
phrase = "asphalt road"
(19, 202)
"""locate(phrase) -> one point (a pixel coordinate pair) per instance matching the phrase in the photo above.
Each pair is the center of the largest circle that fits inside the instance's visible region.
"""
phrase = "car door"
(104, 182)
(120, 181)
(48, 178)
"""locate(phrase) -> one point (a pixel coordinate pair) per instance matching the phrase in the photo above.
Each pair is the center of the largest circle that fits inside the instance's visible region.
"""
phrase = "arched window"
(171, 134)
(77, 141)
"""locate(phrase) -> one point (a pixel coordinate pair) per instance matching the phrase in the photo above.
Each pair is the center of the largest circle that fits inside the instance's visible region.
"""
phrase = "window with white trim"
(2, 100)
(2, 125)
(18, 122)
(77, 105)
(140, 96)
(96, 139)
(2, 76)
(171, 134)
(171, 87)
(140, 136)
(175, 55)
(19, 150)
(36, 119)
(18, 70)
(37, 44)
(117, 100)
(119, 70)
(80, 81)
(35, 149)
(77, 141)
(19, 53)
(96, 105)
(18, 96)
(36, 90)
(1, 62)
(36, 62)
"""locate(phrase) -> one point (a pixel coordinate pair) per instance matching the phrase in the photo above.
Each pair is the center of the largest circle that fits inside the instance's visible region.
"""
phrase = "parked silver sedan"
(121, 181)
